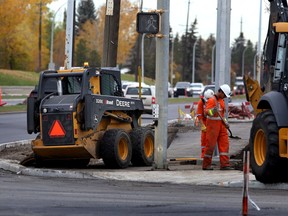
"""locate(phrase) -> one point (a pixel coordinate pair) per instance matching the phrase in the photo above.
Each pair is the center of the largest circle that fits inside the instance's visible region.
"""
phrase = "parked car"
(195, 89)
(181, 89)
(239, 89)
(147, 95)
(125, 84)
(239, 86)
(239, 81)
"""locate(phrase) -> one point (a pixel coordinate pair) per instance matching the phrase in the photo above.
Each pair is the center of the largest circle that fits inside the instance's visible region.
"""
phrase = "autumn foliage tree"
(90, 33)
(19, 35)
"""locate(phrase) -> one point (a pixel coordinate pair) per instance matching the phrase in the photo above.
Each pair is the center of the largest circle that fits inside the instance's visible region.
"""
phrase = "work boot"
(227, 168)
(207, 168)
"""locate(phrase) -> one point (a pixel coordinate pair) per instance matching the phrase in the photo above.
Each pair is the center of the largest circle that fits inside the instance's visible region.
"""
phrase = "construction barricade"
(187, 116)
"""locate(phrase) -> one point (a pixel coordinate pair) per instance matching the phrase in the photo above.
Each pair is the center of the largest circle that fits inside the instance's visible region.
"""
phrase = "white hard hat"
(208, 94)
(226, 90)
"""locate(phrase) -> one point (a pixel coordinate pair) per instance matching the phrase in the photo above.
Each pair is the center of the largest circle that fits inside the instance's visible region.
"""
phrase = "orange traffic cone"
(1, 103)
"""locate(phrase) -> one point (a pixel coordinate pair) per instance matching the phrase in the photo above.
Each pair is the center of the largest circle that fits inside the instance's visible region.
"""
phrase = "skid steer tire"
(39, 162)
(265, 160)
(116, 149)
(142, 146)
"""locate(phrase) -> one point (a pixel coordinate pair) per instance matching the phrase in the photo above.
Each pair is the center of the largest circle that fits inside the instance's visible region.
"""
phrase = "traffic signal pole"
(162, 73)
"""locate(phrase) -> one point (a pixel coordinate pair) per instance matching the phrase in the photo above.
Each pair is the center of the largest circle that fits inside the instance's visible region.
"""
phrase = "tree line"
(25, 41)
(181, 47)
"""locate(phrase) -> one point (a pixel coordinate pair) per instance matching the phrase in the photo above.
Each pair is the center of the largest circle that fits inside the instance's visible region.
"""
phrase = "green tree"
(249, 58)
(239, 46)
(85, 12)
(206, 66)
(177, 50)
(94, 59)
(81, 53)
(177, 58)
(187, 49)
(150, 57)
(236, 54)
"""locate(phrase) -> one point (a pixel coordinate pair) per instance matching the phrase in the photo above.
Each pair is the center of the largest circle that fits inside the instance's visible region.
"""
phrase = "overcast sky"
(206, 14)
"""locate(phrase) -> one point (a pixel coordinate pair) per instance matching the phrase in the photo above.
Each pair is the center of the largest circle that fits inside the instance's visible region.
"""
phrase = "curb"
(13, 166)
(181, 171)
(14, 144)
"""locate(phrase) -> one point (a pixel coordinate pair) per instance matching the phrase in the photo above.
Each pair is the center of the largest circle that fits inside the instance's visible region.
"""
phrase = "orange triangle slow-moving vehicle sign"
(57, 130)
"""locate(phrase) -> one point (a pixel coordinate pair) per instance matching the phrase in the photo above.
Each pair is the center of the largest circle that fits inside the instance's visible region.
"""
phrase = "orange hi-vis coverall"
(216, 132)
(202, 119)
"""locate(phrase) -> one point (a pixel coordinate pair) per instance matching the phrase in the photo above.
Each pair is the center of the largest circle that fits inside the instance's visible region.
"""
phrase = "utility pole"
(142, 56)
(259, 44)
(162, 70)
(138, 48)
(223, 43)
(40, 36)
(69, 34)
(223, 51)
(111, 31)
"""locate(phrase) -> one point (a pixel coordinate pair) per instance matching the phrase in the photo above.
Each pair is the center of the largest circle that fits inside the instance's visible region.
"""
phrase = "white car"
(195, 89)
(181, 89)
(147, 95)
(125, 84)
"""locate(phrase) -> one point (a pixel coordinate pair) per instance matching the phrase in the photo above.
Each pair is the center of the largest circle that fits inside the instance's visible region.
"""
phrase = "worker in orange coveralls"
(216, 131)
(202, 117)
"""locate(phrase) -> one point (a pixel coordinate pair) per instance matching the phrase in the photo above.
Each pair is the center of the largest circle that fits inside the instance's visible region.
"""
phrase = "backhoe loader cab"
(269, 132)
(82, 114)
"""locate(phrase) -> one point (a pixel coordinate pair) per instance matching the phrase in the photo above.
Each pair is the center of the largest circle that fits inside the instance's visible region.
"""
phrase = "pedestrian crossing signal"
(148, 22)
(57, 130)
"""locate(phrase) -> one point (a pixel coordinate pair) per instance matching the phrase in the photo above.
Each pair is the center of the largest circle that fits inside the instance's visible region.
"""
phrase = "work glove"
(226, 123)
(203, 128)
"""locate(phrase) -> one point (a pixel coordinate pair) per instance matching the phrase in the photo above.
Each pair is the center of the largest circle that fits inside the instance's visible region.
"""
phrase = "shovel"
(231, 135)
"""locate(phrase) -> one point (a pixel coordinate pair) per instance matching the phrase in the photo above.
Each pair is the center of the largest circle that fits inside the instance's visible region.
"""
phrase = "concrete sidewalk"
(183, 158)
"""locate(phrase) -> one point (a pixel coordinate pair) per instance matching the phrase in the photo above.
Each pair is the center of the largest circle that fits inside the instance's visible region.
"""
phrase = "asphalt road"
(26, 195)
(13, 128)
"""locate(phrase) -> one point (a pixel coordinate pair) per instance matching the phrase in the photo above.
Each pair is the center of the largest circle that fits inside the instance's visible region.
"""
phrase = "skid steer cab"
(81, 114)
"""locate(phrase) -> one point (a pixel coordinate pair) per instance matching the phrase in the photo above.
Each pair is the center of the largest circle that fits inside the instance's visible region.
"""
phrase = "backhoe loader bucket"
(253, 92)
